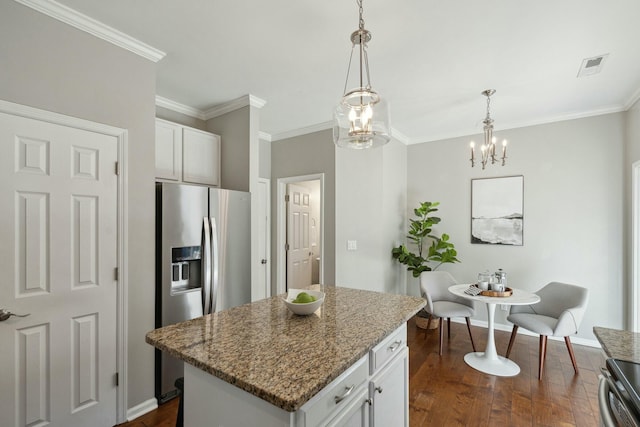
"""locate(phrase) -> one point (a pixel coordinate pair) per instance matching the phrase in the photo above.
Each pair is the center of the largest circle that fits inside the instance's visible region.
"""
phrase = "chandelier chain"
(360, 11)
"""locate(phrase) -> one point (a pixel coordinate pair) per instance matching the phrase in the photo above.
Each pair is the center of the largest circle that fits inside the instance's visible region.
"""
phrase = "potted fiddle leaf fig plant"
(429, 248)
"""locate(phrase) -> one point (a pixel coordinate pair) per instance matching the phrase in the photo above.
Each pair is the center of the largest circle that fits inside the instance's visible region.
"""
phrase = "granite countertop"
(624, 345)
(280, 357)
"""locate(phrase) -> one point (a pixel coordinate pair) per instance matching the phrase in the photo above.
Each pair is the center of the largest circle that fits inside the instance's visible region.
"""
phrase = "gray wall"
(304, 155)
(370, 209)
(264, 169)
(573, 209)
(49, 65)
(234, 131)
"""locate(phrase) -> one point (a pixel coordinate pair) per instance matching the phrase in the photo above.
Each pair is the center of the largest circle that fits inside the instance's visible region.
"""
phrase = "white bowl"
(304, 309)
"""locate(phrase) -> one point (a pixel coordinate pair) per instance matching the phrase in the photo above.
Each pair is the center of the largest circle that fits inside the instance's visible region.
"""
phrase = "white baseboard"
(141, 409)
(507, 328)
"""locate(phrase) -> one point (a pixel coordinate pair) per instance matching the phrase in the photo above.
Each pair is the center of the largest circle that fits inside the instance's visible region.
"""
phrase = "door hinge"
(286, 198)
(116, 378)
(286, 246)
(117, 169)
(115, 273)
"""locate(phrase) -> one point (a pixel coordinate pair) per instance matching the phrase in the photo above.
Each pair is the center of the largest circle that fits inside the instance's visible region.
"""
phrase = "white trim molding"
(302, 131)
(94, 27)
(264, 136)
(179, 108)
(141, 409)
(233, 105)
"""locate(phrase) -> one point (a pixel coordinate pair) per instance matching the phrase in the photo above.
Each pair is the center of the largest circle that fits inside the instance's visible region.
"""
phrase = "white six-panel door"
(58, 253)
(298, 237)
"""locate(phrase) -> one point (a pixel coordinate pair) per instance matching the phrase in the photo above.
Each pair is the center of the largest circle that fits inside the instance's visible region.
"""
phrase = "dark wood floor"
(444, 391)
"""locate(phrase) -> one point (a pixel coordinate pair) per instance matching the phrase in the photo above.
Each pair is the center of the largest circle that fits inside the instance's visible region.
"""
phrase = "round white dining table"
(489, 361)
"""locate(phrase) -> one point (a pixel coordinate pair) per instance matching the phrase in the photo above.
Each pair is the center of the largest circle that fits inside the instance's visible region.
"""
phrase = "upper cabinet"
(186, 154)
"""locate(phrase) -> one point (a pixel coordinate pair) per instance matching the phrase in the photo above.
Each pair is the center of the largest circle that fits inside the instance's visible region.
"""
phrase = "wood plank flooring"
(444, 391)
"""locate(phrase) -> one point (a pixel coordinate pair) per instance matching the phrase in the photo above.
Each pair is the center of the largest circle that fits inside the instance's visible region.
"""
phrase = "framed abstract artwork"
(497, 206)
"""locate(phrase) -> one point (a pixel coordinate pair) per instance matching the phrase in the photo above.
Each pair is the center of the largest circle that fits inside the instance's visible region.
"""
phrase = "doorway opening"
(300, 231)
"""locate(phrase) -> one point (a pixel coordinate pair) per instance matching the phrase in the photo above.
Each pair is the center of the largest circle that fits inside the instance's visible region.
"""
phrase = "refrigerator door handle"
(206, 267)
(215, 263)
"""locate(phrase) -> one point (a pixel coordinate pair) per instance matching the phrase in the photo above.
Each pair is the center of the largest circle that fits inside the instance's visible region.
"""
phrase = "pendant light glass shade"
(361, 119)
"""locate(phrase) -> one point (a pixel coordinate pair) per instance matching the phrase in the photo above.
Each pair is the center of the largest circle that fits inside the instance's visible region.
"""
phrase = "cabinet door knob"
(369, 401)
(379, 389)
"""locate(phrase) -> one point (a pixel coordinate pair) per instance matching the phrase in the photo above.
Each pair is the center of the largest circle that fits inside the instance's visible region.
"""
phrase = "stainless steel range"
(618, 396)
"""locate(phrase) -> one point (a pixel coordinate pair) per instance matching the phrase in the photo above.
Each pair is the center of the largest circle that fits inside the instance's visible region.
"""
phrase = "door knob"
(6, 314)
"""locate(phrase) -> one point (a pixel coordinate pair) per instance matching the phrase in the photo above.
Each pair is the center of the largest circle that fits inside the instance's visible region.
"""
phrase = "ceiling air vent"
(592, 65)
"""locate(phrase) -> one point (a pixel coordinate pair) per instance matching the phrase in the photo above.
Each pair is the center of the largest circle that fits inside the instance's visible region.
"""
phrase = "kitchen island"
(260, 364)
(619, 344)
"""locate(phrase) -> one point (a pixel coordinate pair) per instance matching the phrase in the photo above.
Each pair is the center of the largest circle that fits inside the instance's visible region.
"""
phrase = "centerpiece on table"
(429, 249)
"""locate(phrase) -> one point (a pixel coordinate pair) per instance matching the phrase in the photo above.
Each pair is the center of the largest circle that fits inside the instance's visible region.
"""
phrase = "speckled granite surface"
(619, 344)
(280, 357)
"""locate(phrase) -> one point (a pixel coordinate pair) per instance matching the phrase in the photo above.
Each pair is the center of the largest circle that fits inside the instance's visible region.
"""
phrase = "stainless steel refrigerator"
(202, 261)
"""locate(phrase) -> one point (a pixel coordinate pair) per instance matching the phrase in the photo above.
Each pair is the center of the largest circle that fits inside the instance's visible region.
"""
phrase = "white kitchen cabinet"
(168, 150)
(389, 393)
(389, 380)
(374, 391)
(186, 154)
(356, 413)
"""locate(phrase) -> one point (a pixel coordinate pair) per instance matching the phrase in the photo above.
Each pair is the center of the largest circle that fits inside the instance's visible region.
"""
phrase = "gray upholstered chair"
(558, 314)
(443, 304)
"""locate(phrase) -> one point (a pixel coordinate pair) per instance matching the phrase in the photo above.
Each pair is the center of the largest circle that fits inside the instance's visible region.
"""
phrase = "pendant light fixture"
(488, 147)
(361, 119)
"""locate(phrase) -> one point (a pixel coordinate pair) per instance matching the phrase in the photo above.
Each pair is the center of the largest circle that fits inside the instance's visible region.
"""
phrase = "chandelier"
(488, 148)
(361, 119)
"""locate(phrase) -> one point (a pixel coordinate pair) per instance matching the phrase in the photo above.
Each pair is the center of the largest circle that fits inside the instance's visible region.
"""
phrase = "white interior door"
(298, 237)
(58, 227)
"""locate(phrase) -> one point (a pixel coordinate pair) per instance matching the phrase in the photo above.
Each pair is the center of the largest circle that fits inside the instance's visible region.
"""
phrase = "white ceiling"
(429, 59)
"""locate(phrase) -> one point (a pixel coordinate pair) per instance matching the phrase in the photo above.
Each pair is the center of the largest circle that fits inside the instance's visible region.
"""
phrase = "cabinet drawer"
(325, 403)
(389, 347)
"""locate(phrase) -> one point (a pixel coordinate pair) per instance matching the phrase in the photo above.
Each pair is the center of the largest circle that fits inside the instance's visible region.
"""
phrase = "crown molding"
(179, 108)
(302, 131)
(395, 133)
(517, 125)
(87, 24)
(264, 136)
(233, 105)
(632, 100)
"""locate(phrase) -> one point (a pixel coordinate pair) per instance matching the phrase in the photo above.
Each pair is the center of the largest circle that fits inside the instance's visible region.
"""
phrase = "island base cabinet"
(389, 393)
(365, 394)
(212, 402)
(356, 414)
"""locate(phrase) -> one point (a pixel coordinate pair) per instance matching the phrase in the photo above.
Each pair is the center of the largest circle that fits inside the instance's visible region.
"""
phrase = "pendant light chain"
(361, 120)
